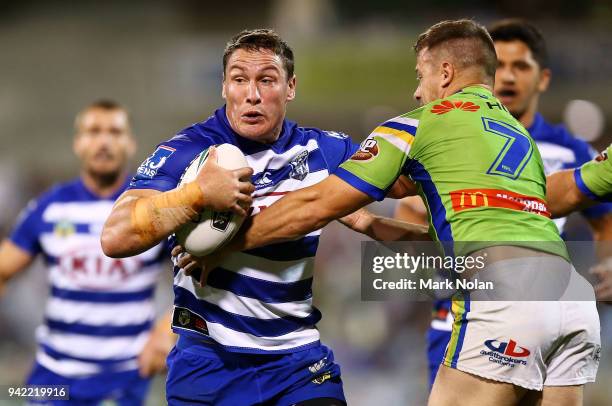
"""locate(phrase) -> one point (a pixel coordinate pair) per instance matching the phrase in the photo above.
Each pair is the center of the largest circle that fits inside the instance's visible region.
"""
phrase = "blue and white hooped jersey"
(100, 310)
(256, 301)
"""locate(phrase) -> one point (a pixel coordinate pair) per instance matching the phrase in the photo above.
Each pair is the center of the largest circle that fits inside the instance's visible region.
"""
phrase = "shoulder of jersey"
(312, 132)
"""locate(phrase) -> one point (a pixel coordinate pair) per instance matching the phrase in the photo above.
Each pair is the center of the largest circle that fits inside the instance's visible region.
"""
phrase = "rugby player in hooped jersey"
(454, 144)
(249, 336)
(98, 336)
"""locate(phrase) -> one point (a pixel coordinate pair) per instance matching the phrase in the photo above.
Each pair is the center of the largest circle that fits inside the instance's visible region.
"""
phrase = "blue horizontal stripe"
(80, 228)
(102, 297)
(265, 291)
(58, 355)
(244, 324)
(288, 251)
(98, 331)
(582, 186)
(400, 126)
(360, 184)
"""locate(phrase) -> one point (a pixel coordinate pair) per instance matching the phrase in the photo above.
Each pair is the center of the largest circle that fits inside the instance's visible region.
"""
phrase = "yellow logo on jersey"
(64, 229)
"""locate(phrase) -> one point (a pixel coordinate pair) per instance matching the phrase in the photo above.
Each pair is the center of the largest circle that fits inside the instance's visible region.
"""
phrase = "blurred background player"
(98, 328)
(249, 336)
(522, 74)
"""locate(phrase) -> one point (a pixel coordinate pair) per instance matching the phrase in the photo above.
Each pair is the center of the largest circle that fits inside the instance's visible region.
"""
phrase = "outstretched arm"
(563, 195)
(299, 213)
(382, 228)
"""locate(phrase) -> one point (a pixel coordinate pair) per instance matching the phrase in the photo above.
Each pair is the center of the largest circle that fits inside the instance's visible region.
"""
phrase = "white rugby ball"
(212, 229)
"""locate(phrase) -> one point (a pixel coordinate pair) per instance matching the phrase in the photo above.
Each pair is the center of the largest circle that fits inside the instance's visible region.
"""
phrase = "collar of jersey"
(249, 146)
(90, 195)
(477, 89)
(535, 130)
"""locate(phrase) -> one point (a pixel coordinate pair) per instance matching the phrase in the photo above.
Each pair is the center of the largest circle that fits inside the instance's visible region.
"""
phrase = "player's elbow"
(111, 246)
(115, 245)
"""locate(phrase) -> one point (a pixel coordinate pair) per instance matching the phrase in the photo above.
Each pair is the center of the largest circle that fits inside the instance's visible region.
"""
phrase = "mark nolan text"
(430, 284)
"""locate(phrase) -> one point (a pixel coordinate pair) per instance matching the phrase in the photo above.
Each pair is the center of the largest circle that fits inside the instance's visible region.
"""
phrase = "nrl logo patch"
(299, 166)
(184, 317)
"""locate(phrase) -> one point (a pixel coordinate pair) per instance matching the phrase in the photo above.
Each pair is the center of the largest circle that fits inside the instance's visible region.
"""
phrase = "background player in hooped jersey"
(249, 336)
(457, 143)
(522, 75)
(98, 329)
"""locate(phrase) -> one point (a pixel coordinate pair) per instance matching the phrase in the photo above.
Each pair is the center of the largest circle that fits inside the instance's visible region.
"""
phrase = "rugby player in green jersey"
(482, 178)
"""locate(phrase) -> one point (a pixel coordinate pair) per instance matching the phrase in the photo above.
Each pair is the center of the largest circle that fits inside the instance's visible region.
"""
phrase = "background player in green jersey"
(483, 180)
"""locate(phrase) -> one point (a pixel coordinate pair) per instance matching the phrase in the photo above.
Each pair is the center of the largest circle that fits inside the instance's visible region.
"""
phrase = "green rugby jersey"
(477, 169)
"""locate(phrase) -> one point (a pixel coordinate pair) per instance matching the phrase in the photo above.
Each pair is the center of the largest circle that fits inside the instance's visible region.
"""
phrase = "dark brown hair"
(520, 30)
(262, 38)
(468, 42)
(102, 104)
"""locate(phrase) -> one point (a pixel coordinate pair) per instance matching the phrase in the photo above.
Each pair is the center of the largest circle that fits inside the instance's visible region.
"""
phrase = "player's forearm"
(563, 195)
(13, 260)
(388, 229)
(293, 216)
(384, 228)
(139, 223)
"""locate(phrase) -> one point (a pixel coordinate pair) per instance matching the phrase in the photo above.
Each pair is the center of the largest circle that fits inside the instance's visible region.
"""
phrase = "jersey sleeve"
(163, 169)
(584, 153)
(380, 158)
(594, 179)
(27, 229)
(336, 148)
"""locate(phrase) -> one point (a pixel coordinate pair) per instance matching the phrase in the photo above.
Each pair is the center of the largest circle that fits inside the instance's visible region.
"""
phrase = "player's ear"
(223, 88)
(545, 75)
(291, 92)
(77, 145)
(447, 73)
(132, 146)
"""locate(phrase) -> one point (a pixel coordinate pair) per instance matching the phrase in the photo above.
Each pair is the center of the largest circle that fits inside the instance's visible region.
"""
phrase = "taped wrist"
(151, 215)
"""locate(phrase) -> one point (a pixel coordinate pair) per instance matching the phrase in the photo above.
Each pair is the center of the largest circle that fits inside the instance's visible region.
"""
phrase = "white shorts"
(528, 343)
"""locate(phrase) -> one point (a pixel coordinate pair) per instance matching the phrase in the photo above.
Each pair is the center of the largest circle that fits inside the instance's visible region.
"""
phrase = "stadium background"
(354, 65)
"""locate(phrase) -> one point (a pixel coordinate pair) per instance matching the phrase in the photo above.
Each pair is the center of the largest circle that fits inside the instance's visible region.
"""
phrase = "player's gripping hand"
(224, 189)
(193, 265)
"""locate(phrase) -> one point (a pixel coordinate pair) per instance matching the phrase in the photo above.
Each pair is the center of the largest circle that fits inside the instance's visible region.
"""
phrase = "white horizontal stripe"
(78, 212)
(297, 338)
(396, 141)
(82, 346)
(100, 314)
(269, 270)
(144, 278)
(556, 152)
(406, 120)
(269, 159)
(244, 306)
(289, 185)
(73, 369)
(70, 368)
(56, 245)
